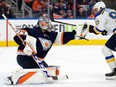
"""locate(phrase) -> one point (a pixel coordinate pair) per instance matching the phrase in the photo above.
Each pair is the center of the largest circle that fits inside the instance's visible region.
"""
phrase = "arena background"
(6, 33)
(110, 3)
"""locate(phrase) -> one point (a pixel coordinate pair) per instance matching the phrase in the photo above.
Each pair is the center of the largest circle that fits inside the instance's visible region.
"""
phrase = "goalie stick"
(37, 60)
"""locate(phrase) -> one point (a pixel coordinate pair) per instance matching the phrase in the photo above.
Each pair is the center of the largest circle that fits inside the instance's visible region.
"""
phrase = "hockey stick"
(63, 23)
(37, 60)
(84, 27)
(52, 19)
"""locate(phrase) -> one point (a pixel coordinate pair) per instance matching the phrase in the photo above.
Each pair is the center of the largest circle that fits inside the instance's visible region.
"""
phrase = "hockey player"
(105, 20)
(43, 38)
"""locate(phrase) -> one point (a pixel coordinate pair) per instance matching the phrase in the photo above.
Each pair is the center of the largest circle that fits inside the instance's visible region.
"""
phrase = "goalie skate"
(30, 76)
(9, 81)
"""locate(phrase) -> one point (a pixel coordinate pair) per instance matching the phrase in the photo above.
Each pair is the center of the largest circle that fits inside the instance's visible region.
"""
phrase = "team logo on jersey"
(45, 43)
(97, 22)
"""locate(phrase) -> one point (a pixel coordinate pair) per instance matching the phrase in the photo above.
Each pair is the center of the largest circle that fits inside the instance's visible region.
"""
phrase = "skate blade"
(111, 78)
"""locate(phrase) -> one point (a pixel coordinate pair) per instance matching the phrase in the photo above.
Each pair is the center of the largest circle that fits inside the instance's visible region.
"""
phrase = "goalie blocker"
(31, 76)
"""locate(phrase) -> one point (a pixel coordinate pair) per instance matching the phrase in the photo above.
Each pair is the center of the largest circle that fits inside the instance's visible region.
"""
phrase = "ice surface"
(85, 66)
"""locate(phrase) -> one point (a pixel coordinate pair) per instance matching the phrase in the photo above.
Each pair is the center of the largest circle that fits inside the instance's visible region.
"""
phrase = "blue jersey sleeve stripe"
(109, 57)
(99, 30)
(114, 30)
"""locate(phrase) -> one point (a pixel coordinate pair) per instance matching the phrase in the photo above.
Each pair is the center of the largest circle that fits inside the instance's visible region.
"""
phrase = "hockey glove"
(104, 33)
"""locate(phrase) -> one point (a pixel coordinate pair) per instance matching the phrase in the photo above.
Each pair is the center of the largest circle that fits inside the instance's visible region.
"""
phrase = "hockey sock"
(111, 61)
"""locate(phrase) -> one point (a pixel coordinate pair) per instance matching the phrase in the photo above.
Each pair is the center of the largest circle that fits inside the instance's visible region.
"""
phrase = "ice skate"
(112, 75)
(9, 81)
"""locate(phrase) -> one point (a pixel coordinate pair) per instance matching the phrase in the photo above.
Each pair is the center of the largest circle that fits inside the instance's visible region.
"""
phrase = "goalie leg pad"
(28, 76)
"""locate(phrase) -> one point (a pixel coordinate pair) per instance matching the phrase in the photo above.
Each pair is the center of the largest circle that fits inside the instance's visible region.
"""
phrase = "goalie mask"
(45, 23)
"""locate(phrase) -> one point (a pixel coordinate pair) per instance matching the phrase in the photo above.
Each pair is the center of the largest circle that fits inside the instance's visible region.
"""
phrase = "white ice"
(85, 66)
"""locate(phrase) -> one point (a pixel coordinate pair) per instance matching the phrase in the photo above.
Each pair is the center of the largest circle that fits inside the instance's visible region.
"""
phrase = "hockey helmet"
(44, 22)
(99, 5)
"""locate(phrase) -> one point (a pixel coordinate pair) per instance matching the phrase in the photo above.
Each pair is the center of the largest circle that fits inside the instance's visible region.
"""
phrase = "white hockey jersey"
(106, 20)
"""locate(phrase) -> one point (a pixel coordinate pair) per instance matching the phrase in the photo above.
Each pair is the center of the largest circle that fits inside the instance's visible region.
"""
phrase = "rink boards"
(6, 33)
